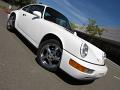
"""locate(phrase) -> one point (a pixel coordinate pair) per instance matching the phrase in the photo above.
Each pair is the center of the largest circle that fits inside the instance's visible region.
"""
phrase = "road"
(20, 71)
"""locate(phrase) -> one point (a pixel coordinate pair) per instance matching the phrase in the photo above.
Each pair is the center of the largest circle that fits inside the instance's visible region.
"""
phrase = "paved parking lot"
(20, 71)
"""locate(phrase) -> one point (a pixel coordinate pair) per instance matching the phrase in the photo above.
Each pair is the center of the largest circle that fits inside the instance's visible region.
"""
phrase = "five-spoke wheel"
(49, 54)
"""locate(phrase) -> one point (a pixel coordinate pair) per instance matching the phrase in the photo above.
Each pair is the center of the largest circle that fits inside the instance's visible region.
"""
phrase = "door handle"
(24, 14)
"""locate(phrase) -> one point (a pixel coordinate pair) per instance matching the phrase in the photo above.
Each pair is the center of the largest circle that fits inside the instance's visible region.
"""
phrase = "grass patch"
(3, 7)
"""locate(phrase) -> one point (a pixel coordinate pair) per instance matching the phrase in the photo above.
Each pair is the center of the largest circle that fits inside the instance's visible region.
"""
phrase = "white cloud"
(72, 10)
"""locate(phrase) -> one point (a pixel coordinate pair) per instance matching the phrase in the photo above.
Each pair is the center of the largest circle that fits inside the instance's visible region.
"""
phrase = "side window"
(26, 8)
(50, 15)
(36, 8)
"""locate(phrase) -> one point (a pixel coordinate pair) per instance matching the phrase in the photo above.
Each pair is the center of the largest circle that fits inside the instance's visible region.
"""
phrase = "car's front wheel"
(49, 55)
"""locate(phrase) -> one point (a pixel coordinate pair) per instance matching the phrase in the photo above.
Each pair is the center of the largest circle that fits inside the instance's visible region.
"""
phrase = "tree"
(73, 25)
(22, 3)
(93, 29)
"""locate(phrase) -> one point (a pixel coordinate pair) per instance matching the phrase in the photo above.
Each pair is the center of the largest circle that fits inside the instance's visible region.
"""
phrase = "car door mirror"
(37, 13)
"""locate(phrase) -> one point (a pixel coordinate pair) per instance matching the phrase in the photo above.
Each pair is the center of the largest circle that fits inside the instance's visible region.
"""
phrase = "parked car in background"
(58, 46)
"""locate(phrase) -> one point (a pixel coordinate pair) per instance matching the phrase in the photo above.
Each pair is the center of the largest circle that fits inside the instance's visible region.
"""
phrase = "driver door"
(29, 22)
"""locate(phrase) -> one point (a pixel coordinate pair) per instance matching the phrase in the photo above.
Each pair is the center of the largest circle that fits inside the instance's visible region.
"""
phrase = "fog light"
(80, 67)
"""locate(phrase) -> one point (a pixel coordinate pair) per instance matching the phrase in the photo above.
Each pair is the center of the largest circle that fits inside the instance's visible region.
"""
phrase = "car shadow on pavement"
(25, 41)
(70, 80)
(61, 74)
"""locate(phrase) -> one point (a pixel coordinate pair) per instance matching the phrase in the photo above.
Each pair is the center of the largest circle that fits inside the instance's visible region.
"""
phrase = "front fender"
(72, 44)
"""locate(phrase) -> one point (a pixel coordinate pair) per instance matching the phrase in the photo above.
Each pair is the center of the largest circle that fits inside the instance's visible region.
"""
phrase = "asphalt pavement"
(20, 71)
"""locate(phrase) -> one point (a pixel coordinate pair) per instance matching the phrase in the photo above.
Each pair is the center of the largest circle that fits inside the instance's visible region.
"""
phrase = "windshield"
(56, 17)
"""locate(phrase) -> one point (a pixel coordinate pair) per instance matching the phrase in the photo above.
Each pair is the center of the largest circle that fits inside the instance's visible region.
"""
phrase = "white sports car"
(58, 46)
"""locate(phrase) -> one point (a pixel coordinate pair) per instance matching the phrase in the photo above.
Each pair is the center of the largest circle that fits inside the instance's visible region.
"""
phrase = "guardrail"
(112, 48)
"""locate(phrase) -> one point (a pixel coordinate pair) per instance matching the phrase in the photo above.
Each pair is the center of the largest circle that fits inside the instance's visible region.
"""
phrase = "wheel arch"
(52, 36)
(14, 13)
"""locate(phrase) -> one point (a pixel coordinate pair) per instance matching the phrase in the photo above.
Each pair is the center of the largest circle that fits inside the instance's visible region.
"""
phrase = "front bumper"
(99, 71)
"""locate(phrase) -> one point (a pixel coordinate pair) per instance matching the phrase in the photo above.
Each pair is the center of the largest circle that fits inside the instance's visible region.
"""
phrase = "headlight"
(84, 50)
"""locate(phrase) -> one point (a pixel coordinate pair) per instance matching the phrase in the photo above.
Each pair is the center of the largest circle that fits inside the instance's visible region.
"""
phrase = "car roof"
(39, 4)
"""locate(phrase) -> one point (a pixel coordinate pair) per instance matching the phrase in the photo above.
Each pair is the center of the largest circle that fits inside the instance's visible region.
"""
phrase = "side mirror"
(37, 13)
(75, 33)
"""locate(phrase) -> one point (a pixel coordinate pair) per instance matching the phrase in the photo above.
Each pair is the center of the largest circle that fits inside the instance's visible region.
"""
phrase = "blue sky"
(106, 12)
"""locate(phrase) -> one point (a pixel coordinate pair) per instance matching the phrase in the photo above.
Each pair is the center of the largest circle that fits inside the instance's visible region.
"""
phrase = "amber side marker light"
(80, 67)
(77, 66)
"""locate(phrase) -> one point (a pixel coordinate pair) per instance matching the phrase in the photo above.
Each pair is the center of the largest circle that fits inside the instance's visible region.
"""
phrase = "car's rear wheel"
(49, 55)
(11, 22)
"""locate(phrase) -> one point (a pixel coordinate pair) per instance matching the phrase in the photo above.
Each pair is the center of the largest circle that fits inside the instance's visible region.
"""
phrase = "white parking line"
(116, 77)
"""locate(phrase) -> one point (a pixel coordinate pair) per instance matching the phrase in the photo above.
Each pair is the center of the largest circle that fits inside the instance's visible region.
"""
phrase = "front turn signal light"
(80, 67)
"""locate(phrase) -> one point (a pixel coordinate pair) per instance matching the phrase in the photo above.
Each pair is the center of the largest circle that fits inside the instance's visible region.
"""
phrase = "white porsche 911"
(58, 46)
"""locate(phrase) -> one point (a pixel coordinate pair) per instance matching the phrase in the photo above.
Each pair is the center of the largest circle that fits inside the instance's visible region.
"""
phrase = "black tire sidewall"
(11, 27)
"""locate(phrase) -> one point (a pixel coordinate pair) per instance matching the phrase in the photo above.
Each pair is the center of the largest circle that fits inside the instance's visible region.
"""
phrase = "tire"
(49, 55)
(11, 22)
